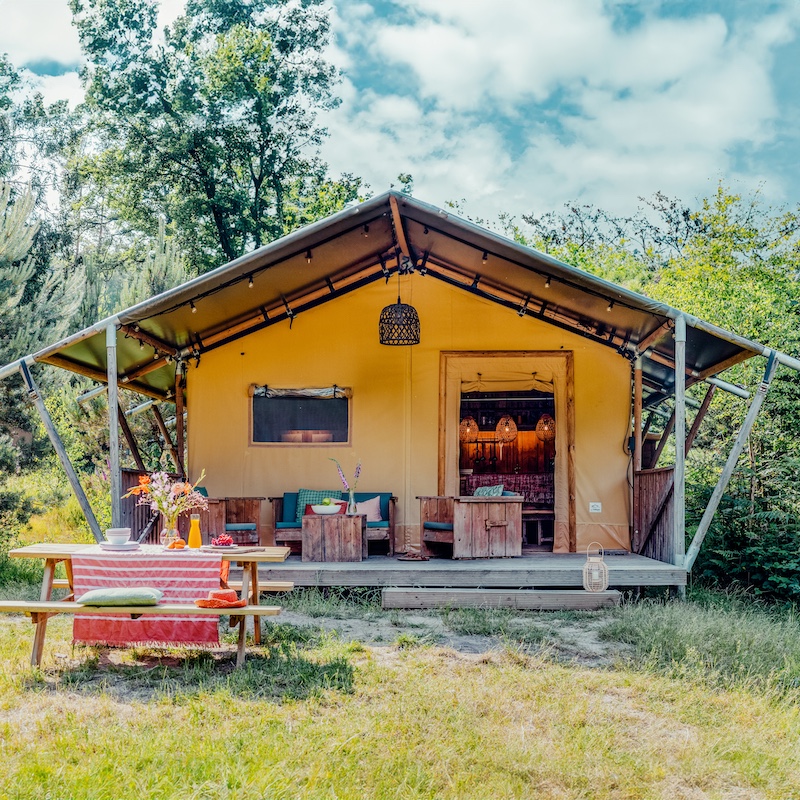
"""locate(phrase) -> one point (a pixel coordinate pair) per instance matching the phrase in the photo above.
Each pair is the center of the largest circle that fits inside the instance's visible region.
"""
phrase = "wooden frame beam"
(400, 230)
(162, 426)
(655, 336)
(131, 440)
(134, 332)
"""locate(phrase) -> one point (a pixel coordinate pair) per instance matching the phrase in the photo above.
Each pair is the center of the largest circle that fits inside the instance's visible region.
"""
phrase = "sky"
(522, 106)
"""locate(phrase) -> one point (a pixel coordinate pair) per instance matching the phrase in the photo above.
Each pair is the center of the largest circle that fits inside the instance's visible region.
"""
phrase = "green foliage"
(215, 128)
(735, 263)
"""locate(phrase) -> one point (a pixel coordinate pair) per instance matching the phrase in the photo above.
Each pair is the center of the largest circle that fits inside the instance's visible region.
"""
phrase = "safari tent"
(505, 332)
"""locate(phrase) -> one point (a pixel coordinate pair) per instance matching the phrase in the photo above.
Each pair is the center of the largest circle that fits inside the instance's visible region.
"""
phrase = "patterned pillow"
(489, 491)
(311, 497)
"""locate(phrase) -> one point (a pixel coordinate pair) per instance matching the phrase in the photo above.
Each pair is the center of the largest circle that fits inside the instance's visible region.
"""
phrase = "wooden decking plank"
(546, 570)
(523, 599)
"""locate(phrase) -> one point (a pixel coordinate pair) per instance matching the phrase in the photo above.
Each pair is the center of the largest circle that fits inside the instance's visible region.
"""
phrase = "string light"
(308, 255)
(610, 305)
(547, 283)
(485, 257)
(193, 306)
(250, 283)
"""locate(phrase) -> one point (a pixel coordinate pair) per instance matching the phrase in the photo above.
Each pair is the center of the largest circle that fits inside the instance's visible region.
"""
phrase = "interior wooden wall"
(526, 454)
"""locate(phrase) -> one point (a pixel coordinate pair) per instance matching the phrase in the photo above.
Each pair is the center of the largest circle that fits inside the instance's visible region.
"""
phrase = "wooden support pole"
(162, 426)
(637, 415)
(113, 427)
(131, 440)
(179, 430)
(699, 418)
(662, 441)
(679, 496)
(730, 464)
(637, 445)
(72, 476)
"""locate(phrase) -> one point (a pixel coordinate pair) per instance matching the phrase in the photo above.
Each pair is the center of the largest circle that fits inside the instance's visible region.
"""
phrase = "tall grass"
(313, 717)
(725, 641)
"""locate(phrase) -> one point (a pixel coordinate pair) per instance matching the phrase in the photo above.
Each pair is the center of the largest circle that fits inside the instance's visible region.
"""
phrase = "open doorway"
(536, 373)
(508, 438)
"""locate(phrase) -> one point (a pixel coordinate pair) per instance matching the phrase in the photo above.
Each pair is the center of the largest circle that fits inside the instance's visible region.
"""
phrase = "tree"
(215, 128)
(735, 263)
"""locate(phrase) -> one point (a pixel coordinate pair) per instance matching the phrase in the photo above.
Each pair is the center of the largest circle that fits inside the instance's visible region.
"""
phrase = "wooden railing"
(134, 516)
(653, 534)
(230, 510)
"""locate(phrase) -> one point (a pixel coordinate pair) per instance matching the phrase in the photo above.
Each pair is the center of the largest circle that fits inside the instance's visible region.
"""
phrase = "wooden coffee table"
(334, 537)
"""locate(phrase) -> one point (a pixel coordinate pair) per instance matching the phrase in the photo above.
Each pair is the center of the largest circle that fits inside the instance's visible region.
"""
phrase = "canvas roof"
(369, 242)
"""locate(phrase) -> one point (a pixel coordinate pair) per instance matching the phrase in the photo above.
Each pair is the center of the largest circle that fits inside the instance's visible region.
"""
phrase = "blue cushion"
(201, 490)
(290, 508)
(438, 526)
(488, 491)
(291, 524)
(384, 523)
(511, 494)
(240, 526)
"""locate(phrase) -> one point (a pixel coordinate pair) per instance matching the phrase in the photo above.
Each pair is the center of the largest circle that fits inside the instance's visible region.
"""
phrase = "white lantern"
(595, 570)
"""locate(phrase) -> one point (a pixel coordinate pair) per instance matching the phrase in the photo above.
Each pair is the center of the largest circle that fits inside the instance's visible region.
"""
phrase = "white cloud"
(520, 104)
(35, 30)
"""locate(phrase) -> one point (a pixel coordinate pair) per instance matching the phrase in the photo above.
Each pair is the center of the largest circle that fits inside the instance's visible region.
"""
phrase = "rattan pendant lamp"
(398, 323)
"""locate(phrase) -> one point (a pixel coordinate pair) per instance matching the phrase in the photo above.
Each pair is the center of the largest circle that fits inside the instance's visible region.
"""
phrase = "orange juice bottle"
(195, 538)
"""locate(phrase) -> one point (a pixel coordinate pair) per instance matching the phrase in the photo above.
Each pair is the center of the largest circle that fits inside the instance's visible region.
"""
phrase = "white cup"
(118, 535)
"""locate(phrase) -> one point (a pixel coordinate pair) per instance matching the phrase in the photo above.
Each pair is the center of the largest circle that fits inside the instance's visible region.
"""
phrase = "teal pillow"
(312, 497)
(489, 491)
(122, 596)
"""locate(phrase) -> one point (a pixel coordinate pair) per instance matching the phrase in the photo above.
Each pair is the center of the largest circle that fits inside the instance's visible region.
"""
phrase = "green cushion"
(489, 491)
(311, 497)
(122, 596)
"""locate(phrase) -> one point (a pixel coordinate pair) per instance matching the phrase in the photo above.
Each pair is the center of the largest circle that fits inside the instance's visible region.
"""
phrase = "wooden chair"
(471, 527)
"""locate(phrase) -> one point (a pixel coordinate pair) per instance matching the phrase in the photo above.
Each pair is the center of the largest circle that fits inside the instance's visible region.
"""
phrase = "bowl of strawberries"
(223, 540)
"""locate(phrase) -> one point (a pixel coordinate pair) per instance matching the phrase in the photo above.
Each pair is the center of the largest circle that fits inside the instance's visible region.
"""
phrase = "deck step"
(528, 599)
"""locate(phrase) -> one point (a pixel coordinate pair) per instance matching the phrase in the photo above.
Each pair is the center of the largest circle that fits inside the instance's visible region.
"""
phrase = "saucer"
(123, 546)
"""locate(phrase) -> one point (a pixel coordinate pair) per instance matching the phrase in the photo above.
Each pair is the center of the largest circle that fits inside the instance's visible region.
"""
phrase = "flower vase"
(352, 508)
(169, 533)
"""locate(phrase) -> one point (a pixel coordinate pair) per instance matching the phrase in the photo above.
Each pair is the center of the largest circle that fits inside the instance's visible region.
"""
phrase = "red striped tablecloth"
(183, 577)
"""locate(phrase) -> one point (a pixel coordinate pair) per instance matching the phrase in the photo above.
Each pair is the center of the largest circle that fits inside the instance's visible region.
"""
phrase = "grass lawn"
(670, 712)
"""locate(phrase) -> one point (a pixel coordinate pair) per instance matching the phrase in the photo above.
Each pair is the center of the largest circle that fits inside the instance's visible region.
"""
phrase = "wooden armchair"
(471, 527)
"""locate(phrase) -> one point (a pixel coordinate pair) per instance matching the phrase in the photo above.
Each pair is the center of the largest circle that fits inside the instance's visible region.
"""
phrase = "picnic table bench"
(39, 611)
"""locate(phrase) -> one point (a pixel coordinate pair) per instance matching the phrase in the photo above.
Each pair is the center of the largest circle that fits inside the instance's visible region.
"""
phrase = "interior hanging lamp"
(398, 323)
(468, 430)
(505, 432)
(546, 428)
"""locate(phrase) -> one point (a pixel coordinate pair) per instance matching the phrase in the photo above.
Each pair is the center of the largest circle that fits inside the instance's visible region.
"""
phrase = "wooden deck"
(539, 570)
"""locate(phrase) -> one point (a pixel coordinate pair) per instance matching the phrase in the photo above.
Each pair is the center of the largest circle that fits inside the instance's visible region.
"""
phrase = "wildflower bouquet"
(346, 485)
(169, 498)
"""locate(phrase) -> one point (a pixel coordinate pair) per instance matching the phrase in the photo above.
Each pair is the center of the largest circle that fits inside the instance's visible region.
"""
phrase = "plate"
(221, 547)
(123, 546)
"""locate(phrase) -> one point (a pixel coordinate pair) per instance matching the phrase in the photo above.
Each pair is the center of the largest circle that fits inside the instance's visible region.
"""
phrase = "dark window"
(300, 419)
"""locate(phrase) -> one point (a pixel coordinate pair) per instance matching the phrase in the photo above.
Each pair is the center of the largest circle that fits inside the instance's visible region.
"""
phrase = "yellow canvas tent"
(302, 313)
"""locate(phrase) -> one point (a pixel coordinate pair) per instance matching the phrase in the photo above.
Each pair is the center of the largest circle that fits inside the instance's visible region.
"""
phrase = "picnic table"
(55, 553)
